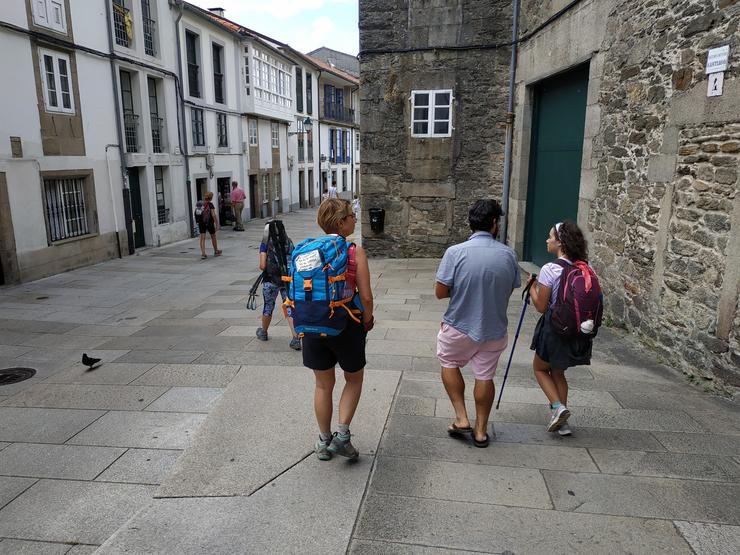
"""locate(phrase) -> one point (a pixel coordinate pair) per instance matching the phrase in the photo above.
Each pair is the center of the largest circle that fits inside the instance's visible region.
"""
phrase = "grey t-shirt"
(481, 274)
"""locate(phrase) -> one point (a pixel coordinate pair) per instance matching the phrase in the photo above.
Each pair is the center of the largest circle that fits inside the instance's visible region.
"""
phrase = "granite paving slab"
(25, 547)
(109, 373)
(247, 524)
(82, 550)
(710, 539)
(476, 527)
(414, 406)
(105, 330)
(71, 511)
(43, 425)
(68, 341)
(657, 399)
(11, 487)
(13, 351)
(388, 347)
(719, 421)
(227, 458)
(715, 444)
(84, 396)
(189, 375)
(141, 466)
(187, 399)
(154, 430)
(645, 497)
(68, 462)
(172, 357)
(517, 487)
(138, 343)
(365, 547)
(668, 465)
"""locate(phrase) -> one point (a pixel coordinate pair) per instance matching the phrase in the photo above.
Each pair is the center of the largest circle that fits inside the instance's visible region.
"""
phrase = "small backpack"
(579, 301)
(202, 213)
(318, 293)
(279, 249)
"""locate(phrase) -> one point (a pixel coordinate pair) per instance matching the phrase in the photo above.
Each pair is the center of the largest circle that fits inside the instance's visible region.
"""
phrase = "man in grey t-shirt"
(478, 276)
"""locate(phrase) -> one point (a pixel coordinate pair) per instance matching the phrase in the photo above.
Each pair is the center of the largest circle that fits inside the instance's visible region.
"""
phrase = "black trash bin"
(377, 219)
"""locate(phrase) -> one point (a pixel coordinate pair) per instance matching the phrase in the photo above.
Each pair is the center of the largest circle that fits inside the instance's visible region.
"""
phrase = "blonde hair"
(208, 196)
(331, 213)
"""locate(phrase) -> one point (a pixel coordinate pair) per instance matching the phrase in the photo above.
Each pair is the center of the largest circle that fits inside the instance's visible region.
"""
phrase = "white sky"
(303, 24)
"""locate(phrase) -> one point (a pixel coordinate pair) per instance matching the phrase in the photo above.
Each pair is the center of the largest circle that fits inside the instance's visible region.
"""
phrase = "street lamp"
(307, 125)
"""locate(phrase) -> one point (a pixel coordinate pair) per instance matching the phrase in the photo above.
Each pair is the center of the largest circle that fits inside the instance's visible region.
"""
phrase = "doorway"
(302, 189)
(225, 213)
(253, 200)
(137, 208)
(311, 195)
(556, 149)
(201, 186)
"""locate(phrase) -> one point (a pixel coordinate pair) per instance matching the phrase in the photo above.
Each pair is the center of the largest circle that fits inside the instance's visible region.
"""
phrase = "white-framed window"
(275, 132)
(223, 130)
(246, 69)
(431, 113)
(56, 77)
(66, 208)
(278, 186)
(252, 132)
(50, 14)
(265, 188)
(163, 213)
(271, 78)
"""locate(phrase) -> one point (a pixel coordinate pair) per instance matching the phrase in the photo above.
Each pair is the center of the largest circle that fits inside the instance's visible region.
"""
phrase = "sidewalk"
(194, 437)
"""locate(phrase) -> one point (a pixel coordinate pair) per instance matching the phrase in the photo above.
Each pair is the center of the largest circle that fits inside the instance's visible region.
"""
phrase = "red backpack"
(579, 300)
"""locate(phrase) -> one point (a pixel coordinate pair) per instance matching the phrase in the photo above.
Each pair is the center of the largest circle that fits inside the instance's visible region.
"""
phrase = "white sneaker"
(559, 417)
(565, 430)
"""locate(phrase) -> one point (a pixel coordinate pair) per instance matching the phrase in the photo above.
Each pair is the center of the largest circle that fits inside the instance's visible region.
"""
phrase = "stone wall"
(426, 184)
(666, 190)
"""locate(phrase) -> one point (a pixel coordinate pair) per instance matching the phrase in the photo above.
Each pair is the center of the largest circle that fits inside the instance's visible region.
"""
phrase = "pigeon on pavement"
(89, 361)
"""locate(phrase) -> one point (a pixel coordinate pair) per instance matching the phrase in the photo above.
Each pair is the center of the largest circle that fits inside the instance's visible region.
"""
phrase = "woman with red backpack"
(568, 295)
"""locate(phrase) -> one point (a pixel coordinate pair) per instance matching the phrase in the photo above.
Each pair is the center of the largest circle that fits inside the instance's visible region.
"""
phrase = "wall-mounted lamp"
(307, 125)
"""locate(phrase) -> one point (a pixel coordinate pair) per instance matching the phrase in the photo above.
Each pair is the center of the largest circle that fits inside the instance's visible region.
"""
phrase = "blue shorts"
(269, 294)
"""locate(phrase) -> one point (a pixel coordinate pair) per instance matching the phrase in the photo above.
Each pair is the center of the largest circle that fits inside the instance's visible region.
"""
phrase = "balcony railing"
(218, 87)
(150, 26)
(131, 131)
(122, 25)
(337, 112)
(163, 215)
(193, 80)
(158, 144)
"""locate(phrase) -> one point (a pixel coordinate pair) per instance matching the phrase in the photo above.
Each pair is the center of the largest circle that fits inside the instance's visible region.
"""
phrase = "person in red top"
(237, 205)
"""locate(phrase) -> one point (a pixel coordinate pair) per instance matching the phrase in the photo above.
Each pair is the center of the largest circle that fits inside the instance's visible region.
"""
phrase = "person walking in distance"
(555, 353)
(333, 190)
(205, 216)
(237, 205)
(478, 276)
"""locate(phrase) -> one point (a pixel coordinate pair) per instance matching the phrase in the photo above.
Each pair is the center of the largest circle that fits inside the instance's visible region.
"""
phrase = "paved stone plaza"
(194, 437)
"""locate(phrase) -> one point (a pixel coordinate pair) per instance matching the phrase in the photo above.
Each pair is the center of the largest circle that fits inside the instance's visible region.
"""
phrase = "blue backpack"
(317, 287)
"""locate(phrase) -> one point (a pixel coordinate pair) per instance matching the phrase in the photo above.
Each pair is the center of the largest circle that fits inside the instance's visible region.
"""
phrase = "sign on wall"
(717, 59)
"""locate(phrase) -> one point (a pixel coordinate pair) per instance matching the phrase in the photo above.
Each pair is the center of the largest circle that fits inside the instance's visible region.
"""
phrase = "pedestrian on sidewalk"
(321, 354)
(478, 276)
(333, 190)
(275, 250)
(237, 205)
(207, 220)
(555, 353)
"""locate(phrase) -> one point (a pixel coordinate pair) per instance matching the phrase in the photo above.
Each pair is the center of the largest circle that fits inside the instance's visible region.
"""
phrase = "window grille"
(163, 213)
(66, 213)
(199, 137)
(122, 24)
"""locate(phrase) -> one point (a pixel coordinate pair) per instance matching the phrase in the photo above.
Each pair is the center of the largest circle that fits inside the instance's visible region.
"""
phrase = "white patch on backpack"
(308, 261)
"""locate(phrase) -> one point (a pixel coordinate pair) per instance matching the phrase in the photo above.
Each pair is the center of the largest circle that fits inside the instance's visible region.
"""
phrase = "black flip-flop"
(458, 431)
(482, 444)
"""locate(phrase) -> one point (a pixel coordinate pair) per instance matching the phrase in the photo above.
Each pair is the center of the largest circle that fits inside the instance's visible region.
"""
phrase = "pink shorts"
(455, 350)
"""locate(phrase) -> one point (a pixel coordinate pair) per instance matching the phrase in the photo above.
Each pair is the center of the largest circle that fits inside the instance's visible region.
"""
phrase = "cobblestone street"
(195, 437)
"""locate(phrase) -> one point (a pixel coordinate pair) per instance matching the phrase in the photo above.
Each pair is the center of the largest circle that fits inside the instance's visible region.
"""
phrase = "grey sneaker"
(261, 334)
(295, 343)
(565, 430)
(559, 417)
(342, 446)
(322, 450)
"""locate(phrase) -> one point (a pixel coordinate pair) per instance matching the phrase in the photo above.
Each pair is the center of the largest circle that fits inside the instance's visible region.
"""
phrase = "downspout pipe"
(509, 123)
(113, 195)
(119, 129)
(182, 136)
(318, 134)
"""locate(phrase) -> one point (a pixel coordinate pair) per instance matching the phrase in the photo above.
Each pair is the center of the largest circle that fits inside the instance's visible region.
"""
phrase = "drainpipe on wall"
(113, 195)
(183, 136)
(510, 122)
(353, 150)
(318, 134)
(119, 128)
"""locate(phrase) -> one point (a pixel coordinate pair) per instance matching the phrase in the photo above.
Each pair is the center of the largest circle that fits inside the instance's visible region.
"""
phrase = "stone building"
(612, 126)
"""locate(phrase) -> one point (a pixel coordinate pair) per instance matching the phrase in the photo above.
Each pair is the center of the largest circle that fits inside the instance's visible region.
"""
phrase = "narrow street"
(194, 437)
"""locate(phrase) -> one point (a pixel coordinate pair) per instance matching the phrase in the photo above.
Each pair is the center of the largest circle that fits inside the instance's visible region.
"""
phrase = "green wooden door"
(137, 209)
(555, 158)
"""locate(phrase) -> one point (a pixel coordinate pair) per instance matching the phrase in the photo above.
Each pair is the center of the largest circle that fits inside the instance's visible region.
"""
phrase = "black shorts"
(561, 352)
(210, 227)
(347, 349)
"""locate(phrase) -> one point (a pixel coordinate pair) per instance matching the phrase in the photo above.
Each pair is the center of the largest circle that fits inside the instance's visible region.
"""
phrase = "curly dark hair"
(483, 213)
(572, 241)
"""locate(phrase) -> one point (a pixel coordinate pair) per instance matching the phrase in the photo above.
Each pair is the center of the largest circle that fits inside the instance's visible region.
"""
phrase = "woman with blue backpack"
(568, 295)
(331, 300)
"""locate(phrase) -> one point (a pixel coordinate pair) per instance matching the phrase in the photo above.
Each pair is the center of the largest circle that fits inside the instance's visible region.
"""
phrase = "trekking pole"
(525, 296)
(252, 300)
